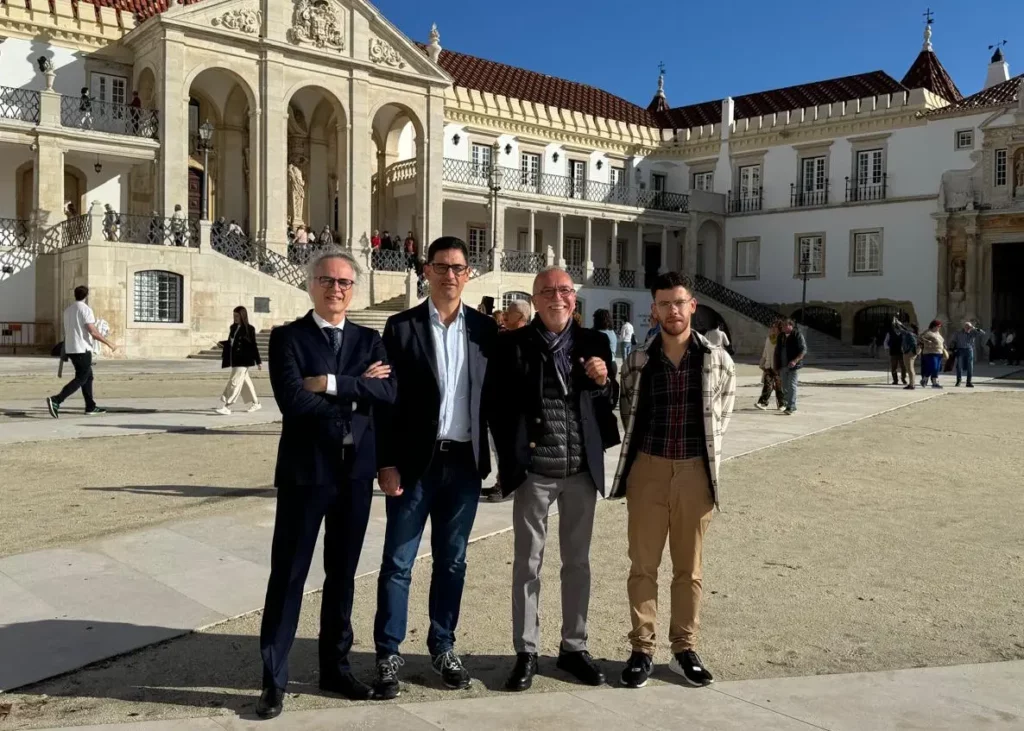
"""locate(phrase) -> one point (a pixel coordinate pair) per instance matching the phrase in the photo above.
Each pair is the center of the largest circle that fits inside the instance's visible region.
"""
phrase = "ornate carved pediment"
(316, 22)
(244, 20)
(383, 53)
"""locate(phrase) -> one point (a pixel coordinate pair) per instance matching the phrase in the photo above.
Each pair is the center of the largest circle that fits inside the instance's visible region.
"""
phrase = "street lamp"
(805, 269)
(206, 144)
(494, 183)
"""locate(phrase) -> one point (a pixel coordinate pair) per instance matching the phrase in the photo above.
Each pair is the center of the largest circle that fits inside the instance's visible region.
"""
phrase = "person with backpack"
(911, 346)
(894, 344)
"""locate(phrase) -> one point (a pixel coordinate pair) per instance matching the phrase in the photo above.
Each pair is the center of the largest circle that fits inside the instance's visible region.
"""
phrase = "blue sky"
(717, 48)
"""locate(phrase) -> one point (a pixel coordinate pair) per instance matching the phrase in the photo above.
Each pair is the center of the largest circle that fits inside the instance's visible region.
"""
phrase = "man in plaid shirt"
(676, 399)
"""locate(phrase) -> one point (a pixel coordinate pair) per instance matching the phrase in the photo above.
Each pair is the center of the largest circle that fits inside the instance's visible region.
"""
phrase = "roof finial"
(929, 19)
(998, 55)
(434, 47)
(661, 78)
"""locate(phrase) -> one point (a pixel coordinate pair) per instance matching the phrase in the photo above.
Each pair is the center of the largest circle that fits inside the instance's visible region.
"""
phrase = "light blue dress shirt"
(450, 347)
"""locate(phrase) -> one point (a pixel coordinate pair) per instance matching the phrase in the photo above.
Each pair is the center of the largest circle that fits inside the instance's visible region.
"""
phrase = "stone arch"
(821, 318)
(76, 190)
(24, 191)
(710, 250)
(706, 317)
(392, 206)
(146, 85)
(316, 158)
(622, 312)
(402, 109)
(202, 69)
(868, 320)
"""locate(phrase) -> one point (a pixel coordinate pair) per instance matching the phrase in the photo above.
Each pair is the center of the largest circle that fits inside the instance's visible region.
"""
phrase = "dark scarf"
(560, 346)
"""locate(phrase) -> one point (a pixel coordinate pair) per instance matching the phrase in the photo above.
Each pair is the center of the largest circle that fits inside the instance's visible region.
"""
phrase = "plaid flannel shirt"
(718, 388)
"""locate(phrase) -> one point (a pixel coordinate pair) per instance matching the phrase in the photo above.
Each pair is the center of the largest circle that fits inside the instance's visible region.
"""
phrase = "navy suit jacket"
(409, 428)
(314, 424)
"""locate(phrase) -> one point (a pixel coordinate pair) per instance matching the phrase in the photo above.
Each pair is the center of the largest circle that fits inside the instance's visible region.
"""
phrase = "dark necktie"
(334, 337)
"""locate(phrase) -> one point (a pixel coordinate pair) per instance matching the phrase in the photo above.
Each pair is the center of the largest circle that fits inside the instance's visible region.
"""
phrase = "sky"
(717, 48)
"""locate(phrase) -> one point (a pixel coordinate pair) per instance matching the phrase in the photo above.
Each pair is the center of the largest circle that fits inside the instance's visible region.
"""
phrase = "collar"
(322, 323)
(435, 316)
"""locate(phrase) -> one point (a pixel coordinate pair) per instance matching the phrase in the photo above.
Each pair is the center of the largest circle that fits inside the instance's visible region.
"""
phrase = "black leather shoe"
(347, 685)
(271, 703)
(580, 665)
(521, 677)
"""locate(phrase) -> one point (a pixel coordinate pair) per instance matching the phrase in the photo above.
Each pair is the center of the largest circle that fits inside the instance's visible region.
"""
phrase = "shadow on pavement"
(190, 491)
(185, 429)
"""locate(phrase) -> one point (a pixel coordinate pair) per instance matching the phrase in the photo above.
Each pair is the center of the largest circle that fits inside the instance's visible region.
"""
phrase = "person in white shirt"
(626, 338)
(717, 337)
(79, 333)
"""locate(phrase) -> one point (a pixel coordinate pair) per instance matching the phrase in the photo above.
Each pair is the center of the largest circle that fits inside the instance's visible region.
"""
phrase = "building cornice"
(87, 28)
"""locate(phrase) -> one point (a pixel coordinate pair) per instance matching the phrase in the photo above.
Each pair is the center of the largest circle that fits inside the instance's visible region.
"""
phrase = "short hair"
(548, 270)
(81, 292)
(520, 306)
(671, 280)
(447, 243)
(323, 256)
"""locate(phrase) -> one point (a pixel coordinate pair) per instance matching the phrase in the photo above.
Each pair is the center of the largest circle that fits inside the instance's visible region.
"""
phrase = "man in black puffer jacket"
(548, 394)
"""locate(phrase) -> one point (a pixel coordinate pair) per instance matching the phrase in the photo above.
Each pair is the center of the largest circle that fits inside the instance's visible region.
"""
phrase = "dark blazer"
(241, 352)
(515, 381)
(314, 424)
(408, 430)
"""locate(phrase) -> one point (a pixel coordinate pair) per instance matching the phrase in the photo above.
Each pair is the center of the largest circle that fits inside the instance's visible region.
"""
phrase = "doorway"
(1007, 294)
(652, 262)
(195, 193)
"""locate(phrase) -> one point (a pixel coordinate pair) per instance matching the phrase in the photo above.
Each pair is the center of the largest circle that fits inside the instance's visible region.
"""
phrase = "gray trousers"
(576, 497)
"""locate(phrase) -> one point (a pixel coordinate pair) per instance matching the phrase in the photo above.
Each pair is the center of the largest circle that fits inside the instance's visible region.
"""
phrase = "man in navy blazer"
(329, 376)
(434, 454)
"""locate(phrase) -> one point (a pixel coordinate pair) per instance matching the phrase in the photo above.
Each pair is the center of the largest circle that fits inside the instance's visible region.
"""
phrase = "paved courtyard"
(838, 529)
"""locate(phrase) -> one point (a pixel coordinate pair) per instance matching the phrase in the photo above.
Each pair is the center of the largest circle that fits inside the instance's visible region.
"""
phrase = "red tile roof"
(928, 73)
(1000, 95)
(141, 9)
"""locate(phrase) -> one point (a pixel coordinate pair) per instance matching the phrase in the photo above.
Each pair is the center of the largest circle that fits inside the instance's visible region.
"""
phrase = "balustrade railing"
(401, 172)
(802, 198)
(20, 104)
(389, 260)
(25, 335)
(746, 202)
(602, 277)
(521, 262)
(857, 191)
(71, 231)
(744, 305)
(121, 119)
(241, 248)
(14, 232)
(575, 271)
(154, 230)
(627, 279)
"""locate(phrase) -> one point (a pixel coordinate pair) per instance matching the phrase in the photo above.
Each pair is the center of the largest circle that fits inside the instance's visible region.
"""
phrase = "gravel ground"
(894, 542)
(109, 484)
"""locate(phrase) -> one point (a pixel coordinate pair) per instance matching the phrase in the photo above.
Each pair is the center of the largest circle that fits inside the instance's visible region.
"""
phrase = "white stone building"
(320, 112)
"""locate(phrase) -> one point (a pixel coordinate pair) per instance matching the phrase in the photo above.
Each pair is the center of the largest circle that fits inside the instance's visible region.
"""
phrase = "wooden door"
(195, 192)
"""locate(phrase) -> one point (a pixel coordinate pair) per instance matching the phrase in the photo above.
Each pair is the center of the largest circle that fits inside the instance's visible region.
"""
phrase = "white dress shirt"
(450, 346)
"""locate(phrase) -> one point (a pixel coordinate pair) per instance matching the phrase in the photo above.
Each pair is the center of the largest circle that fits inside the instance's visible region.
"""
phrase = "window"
(578, 174)
(869, 167)
(658, 182)
(481, 160)
(573, 251)
(622, 312)
(750, 181)
(110, 89)
(523, 240)
(509, 297)
(867, 252)
(529, 163)
(477, 244)
(158, 296)
(748, 253)
(1000, 167)
(704, 181)
(812, 174)
(617, 177)
(965, 139)
(620, 253)
(811, 248)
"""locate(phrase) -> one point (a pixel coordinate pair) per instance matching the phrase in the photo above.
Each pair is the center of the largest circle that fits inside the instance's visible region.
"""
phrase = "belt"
(450, 445)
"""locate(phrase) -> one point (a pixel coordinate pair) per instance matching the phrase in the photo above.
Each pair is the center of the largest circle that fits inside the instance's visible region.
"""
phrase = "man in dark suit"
(548, 398)
(434, 450)
(329, 377)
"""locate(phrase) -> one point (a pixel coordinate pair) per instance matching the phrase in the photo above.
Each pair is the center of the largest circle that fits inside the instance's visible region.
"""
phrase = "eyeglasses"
(550, 292)
(330, 283)
(677, 304)
(442, 269)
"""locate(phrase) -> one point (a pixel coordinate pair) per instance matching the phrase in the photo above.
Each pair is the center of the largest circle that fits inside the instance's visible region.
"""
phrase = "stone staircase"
(374, 317)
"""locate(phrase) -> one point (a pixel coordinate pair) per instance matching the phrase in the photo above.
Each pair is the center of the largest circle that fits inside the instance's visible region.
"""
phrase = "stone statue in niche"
(1018, 168)
(296, 193)
(958, 275)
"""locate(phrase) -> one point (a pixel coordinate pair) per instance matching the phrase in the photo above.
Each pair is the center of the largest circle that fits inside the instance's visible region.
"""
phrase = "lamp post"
(206, 144)
(805, 269)
(494, 183)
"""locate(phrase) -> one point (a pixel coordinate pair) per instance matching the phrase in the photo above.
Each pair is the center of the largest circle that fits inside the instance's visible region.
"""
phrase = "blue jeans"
(627, 348)
(448, 494)
(789, 377)
(964, 364)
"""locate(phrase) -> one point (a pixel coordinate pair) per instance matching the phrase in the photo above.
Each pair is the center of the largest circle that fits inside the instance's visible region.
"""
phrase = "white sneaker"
(223, 410)
(255, 407)
(759, 405)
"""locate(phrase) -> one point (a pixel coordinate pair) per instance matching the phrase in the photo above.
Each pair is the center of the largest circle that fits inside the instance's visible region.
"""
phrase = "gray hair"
(548, 270)
(521, 306)
(332, 253)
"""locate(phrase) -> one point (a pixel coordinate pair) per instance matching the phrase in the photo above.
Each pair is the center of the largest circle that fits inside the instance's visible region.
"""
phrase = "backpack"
(909, 342)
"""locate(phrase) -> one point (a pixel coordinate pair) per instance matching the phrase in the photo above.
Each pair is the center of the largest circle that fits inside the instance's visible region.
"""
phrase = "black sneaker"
(95, 411)
(970, 385)
(53, 407)
(385, 684)
(581, 666)
(638, 670)
(453, 674)
(687, 664)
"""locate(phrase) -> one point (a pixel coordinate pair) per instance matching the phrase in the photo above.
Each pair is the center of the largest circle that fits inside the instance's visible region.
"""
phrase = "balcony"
(120, 119)
(863, 191)
(799, 198)
(19, 104)
(14, 233)
(561, 186)
(747, 202)
(521, 262)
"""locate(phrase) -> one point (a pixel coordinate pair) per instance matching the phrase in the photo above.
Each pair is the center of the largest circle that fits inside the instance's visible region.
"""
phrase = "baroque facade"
(256, 116)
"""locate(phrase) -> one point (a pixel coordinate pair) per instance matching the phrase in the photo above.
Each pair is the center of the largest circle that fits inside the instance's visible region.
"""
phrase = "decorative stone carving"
(382, 52)
(958, 268)
(1018, 172)
(434, 48)
(296, 193)
(316, 22)
(244, 20)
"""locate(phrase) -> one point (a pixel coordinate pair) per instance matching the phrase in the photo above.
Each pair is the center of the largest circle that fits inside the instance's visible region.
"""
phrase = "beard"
(676, 326)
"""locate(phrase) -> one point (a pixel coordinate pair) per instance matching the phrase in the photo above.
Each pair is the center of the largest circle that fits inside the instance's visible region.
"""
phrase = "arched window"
(158, 296)
(510, 297)
(871, 321)
(822, 319)
(705, 318)
(622, 311)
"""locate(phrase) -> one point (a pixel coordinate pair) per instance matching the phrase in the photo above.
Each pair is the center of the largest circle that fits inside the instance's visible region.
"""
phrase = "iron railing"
(561, 186)
(71, 231)
(857, 191)
(121, 119)
(730, 298)
(522, 262)
(576, 272)
(14, 232)
(20, 104)
(389, 260)
(244, 250)
(746, 203)
(627, 279)
(799, 198)
(602, 277)
(154, 230)
(25, 335)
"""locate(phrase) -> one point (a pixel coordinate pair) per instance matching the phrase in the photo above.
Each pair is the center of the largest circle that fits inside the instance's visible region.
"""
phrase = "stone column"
(942, 278)
(174, 96)
(690, 250)
(971, 277)
(360, 164)
(48, 182)
(497, 231)
(344, 183)
(639, 276)
(985, 288)
(380, 203)
(588, 250)
(531, 236)
(256, 192)
(560, 242)
(613, 252)
(431, 170)
(663, 266)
